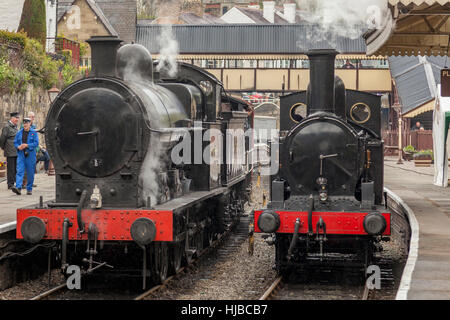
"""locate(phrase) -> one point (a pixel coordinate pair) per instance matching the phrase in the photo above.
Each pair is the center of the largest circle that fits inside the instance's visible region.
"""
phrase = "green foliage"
(12, 80)
(424, 154)
(36, 67)
(13, 37)
(69, 74)
(33, 20)
(146, 16)
(43, 69)
(409, 149)
(83, 49)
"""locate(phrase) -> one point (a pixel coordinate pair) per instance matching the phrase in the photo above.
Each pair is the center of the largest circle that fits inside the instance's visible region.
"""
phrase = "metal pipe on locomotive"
(327, 203)
(120, 199)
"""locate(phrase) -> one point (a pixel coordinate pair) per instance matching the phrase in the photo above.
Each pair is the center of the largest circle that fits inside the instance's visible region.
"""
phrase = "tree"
(33, 20)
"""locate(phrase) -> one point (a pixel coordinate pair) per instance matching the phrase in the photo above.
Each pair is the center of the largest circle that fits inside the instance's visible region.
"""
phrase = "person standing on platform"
(31, 116)
(7, 144)
(26, 142)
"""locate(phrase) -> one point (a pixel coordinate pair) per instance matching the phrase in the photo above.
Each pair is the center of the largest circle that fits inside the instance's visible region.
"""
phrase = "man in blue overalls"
(25, 142)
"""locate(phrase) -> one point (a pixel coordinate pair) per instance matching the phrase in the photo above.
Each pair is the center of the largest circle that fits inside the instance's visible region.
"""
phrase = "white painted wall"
(269, 11)
(51, 24)
(10, 12)
(234, 15)
(289, 12)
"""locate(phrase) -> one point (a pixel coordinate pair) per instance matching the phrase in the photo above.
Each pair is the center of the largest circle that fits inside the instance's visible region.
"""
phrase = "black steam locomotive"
(327, 202)
(142, 173)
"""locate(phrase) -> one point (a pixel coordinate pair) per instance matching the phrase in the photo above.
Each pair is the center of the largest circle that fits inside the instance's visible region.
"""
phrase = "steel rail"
(272, 289)
(49, 292)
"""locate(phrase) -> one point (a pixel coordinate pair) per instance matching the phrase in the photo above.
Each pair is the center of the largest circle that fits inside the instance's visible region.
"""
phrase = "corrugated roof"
(418, 2)
(247, 38)
(416, 79)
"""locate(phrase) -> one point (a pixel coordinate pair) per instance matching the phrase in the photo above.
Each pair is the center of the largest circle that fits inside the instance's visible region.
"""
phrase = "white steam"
(168, 52)
(151, 168)
(342, 18)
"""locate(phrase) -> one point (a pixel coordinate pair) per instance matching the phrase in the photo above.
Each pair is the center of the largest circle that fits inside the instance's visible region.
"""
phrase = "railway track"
(240, 234)
(232, 239)
(326, 289)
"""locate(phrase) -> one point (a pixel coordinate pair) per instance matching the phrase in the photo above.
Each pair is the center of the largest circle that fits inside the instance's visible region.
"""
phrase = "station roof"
(247, 39)
(412, 27)
(416, 78)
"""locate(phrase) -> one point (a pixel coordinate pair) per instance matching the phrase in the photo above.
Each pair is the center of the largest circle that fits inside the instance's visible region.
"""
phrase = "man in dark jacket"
(7, 144)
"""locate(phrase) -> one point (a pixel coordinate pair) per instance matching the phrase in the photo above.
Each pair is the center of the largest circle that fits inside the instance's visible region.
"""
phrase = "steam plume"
(168, 52)
(342, 18)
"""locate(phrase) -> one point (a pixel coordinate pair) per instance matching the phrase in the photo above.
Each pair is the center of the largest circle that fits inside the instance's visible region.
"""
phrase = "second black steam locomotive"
(144, 180)
(327, 202)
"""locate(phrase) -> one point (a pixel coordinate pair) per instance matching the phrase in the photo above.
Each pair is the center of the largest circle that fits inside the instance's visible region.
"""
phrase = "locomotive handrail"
(79, 209)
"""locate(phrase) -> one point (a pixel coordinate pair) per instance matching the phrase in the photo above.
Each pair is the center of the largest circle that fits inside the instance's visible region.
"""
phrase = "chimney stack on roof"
(289, 12)
(269, 11)
(192, 6)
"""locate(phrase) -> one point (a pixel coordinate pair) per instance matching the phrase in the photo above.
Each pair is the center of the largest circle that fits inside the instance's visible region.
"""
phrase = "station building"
(255, 58)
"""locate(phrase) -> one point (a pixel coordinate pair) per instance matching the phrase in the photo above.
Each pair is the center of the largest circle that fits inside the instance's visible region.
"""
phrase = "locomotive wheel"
(176, 256)
(160, 262)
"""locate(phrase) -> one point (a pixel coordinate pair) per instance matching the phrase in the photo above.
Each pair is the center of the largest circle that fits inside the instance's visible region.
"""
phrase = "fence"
(420, 140)
(62, 44)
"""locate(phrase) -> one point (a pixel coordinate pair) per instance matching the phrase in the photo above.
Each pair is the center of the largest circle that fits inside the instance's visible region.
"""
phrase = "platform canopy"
(412, 27)
(441, 121)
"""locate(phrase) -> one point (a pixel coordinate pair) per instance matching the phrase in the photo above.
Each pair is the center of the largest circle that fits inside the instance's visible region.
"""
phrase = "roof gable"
(95, 9)
(235, 15)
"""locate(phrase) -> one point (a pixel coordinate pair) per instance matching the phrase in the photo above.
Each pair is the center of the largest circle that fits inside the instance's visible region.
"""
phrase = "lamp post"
(400, 161)
(52, 94)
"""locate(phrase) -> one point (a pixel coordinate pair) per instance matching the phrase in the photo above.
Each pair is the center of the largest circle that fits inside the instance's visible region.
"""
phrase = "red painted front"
(350, 223)
(112, 224)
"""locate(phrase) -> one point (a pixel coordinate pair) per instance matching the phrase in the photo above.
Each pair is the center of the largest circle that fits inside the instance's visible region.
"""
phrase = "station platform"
(427, 272)
(9, 201)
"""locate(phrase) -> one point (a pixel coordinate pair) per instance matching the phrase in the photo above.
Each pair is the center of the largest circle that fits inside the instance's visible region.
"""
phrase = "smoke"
(342, 18)
(169, 51)
(151, 167)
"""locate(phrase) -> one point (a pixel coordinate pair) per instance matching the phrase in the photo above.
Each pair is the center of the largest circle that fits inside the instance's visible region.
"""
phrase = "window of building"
(374, 64)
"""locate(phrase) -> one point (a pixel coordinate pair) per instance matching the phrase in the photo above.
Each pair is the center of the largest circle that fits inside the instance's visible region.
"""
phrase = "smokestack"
(103, 55)
(269, 11)
(321, 84)
(289, 12)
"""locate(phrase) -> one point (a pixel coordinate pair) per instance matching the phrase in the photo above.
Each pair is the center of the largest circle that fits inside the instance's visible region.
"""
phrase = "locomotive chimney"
(321, 83)
(103, 55)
